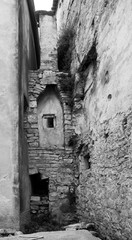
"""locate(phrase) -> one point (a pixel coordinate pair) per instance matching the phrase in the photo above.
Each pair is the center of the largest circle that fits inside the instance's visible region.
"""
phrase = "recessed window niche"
(50, 118)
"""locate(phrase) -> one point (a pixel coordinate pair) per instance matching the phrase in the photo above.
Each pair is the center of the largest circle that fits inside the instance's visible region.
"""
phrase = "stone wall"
(27, 59)
(102, 116)
(8, 117)
(15, 60)
(48, 129)
(55, 163)
(39, 206)
(48, 40)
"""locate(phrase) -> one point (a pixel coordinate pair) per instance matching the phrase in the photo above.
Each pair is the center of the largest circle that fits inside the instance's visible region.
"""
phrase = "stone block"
(68, 160)
(35, 198)
(34, 207)
(62, 189)
(34, 211)
(33, 104)
(40, 75)
(33, 144)
(32, 118)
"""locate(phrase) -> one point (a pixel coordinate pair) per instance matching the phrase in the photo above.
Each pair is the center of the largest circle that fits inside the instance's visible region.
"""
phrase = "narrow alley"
(66, 120)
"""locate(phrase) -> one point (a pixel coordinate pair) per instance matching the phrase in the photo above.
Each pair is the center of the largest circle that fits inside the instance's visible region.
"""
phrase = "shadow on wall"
(50, 118)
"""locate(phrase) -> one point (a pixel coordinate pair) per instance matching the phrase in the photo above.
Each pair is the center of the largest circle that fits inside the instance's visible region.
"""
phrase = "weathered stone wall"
(101, 62)
(52, 162)
(48, 128)
(48, 41)
(27, 59)
(62, 12)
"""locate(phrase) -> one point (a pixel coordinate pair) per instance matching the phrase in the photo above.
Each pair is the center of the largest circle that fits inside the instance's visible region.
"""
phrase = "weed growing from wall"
(73, 140)
(67, 86)
(65, 46)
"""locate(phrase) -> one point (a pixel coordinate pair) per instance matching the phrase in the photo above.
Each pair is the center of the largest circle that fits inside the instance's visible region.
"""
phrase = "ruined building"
(75, 114)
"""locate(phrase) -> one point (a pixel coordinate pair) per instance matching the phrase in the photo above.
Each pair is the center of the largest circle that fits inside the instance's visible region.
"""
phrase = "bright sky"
(43, 4)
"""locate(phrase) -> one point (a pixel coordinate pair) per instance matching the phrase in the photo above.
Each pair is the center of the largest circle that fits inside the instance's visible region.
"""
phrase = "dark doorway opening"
(40, 187)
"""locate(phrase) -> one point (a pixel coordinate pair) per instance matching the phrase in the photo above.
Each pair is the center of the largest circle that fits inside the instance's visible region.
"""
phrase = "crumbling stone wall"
(101, 63)
(50, 160)
(55, 163)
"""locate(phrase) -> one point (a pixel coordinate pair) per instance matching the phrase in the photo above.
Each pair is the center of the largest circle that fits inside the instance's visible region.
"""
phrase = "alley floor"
(55, 235)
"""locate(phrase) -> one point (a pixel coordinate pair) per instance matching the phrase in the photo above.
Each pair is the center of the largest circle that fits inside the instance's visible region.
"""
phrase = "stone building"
(19, 47)
(101, 63)
(79, 115)
(48, 128)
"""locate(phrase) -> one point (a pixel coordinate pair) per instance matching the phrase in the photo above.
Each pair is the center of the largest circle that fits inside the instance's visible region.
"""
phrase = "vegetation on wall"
(42, 223)
(65, 45)
(73, 140)
(67, 86)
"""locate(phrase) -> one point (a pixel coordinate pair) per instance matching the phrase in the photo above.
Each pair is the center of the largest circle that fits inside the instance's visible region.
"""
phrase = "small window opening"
(50, 122)
(40, 187)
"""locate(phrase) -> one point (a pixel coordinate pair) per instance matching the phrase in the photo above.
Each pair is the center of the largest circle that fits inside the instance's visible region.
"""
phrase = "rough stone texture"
(38, 81)
(62, 12)
(101, 60)
(55, 163)
(49, 151)
(39, 207)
